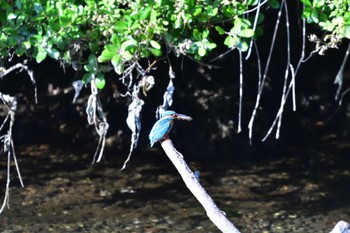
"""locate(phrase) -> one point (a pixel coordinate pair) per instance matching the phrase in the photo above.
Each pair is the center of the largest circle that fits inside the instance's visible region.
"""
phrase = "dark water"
(290, 189)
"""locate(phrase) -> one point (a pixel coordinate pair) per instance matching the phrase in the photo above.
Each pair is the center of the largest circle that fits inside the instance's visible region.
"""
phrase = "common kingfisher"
(163, 126)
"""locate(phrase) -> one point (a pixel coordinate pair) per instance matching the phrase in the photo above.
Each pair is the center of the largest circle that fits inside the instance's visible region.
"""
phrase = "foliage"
(124, 31)
(120, 31)
(332, 16)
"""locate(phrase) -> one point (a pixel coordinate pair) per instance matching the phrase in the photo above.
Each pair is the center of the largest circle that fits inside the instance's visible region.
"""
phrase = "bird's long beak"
(182, 117)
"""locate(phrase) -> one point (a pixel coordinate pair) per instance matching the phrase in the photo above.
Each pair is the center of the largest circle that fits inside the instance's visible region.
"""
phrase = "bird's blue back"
(160, 129)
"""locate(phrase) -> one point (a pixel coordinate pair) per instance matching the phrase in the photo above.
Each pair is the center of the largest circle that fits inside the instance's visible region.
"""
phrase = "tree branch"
(217, 216)
(4, 72)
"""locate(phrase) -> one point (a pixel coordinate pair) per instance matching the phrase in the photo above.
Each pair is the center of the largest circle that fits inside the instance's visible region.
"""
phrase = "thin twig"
(251, 122)
(255, 8)
(286, 74)
(339, 78)
(8, 180)
(254, 27)
(261, 87)
(240, 91)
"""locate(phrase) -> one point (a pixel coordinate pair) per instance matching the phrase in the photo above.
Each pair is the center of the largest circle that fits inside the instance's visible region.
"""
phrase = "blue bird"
(162, 127)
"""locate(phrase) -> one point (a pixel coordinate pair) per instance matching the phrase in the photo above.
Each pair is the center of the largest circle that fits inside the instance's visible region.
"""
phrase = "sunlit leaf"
(129, 44)
(100, 81)
(155, 44)
(318, 3)
(246, 33)
(153, 17)
(306, 2)
(202, 52)
(41, 55)
(144, 14)
(115, 39)
(121, 26)
(116, 60)
(229, 42)
(126, 55)
(105, 56)
(210, 45)
(11, 16)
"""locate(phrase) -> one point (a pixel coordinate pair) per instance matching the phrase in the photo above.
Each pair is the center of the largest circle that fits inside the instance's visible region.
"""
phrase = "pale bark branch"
(217, 216)
(4, 72)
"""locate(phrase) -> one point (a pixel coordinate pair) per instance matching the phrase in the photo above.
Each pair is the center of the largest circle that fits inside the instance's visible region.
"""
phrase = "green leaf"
(111, 48)
(196, 34)
(129, 44)
(261, 18)
(116, 60)
(258, 32)
(306, 2)
(143, 14)
(178, 23)
(119, 69)
(54, 53)
(127, 56)
(155, 44)
(153, 17)
(156, 52)
(64, 20)
(347, 32)
(314, 16)
(105, 56)
(274, 4)
(246, 33)
(220, 30)
(88, 77)
(318, 3)
(229, 42)
(11, 16)
(115, 39)
(41, 55)
(18, 4)
(252, 2)
(100, 81)
(89, 68)
(20, 50)
(210, 45)
(121, 26)
(201, 52)
(27, 44)
(38, 8)
(242, 46)
(205, 33)
(197, 11)
(92, 60)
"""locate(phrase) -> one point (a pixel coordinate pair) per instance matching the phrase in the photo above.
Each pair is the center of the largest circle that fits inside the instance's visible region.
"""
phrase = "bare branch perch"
(217, 216)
